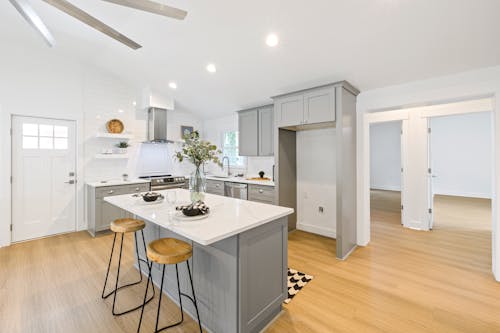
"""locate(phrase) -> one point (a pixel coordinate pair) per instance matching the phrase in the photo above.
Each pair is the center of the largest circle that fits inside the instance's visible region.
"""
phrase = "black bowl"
(191, 212)
(150, 196)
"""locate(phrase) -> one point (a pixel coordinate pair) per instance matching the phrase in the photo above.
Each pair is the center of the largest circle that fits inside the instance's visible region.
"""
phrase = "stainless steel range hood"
(157, 126)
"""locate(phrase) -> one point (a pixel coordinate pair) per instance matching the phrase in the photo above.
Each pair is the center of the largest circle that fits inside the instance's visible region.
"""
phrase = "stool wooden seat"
(127, 225)
(169, 251)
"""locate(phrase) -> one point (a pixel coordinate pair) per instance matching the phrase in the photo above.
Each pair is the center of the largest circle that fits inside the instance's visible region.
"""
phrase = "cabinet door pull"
(261, 191)
(137, 189)
(111, 192)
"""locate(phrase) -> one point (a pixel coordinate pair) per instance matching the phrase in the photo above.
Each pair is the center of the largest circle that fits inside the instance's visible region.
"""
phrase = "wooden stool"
(123, 226)
(170, 251)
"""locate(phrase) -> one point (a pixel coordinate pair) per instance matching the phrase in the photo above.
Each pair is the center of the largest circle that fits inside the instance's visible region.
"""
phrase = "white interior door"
(430, 177)
(43, 177)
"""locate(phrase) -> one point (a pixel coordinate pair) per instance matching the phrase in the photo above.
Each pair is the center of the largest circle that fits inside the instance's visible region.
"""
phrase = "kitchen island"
(239, 258)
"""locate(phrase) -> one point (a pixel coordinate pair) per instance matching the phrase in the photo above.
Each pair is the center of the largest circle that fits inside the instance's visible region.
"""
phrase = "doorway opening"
(386, 177)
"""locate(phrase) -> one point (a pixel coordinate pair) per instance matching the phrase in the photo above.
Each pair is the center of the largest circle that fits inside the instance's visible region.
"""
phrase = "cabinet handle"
(217, 185)
(137, 189)
(261, 191)
(111, 192)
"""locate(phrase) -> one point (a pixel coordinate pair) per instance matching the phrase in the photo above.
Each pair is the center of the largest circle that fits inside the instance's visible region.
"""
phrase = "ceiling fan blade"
(91, 21)
(29, 14)
(152, 7)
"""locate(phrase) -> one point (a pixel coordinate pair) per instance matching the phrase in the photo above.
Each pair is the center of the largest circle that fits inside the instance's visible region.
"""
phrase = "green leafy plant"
(123, 144)
(198, 151)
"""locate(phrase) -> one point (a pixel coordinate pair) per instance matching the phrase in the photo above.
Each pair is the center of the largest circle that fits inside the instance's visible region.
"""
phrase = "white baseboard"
(464, 194)
(385, 187)
(316, 230)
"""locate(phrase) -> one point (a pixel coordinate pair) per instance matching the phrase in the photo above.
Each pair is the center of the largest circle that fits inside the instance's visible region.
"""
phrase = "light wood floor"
(404, 281)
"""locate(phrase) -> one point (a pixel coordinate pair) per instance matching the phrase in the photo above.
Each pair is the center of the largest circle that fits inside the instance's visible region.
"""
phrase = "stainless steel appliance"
(236, 190)
(157, 126)
(165, 182)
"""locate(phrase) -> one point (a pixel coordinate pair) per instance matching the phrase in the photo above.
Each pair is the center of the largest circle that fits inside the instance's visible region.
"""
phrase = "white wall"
(461, 155)
(385, 156)
(479, 83)
(54, 86)
(316, 181)
(213, 130)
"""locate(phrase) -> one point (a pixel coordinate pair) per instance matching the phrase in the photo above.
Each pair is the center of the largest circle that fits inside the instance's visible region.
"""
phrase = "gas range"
(164, 182)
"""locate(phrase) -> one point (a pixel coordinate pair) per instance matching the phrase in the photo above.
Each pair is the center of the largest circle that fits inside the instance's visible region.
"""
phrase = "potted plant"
(122, 147)
(198, 152)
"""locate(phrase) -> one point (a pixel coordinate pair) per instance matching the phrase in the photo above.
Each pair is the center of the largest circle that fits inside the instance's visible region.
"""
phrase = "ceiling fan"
(26, 10)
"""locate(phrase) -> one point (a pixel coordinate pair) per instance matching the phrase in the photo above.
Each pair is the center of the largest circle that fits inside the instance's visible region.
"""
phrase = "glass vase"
(197, 185)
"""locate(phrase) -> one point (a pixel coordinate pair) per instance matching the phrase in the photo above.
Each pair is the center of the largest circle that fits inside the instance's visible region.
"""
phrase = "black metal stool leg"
(138, 258)
(130, 284)
(150, 267)
(159, 302)
(179, 290)
(109, 266)
(117, 275)
(145, 296)
(194, 295)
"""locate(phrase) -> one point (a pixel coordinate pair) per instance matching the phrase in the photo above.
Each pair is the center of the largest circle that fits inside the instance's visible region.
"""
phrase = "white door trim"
(6, 172)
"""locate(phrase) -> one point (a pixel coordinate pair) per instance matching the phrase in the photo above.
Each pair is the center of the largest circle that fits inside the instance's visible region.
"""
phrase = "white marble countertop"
(228, 216)
(242, 180)
(117, 182)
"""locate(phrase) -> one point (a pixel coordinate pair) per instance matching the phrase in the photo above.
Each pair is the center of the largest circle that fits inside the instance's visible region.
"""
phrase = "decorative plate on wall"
(115, 126)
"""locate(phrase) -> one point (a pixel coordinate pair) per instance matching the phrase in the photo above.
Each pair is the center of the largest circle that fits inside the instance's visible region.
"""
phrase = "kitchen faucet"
(228, 167)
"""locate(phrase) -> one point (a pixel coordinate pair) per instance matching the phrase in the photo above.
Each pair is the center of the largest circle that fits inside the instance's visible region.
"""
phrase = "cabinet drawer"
(119, 190)
(215, 187)
(261, 193)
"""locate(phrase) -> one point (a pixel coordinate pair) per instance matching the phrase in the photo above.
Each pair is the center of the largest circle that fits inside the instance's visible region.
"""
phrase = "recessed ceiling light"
(211, 68)
(120, 111)
(172, 85)
(272, 40)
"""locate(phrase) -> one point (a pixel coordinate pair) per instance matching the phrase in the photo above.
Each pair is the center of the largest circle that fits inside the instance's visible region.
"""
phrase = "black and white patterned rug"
(296, 281)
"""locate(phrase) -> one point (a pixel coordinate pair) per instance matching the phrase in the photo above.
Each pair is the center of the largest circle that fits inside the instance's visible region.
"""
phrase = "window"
(230, 149)
(39, 136)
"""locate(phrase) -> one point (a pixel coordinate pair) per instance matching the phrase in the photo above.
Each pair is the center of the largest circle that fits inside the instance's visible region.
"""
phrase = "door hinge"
(401, 169)
(401, 207)
(430, 210)
(429, 170)
(11, 227)
(401, 132)
(428, 130)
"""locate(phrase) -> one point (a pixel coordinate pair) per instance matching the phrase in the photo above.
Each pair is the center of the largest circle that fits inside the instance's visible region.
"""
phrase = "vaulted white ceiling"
(371, 43)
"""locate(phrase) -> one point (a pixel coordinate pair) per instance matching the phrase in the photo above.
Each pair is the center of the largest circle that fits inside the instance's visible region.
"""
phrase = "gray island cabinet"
(239, 259)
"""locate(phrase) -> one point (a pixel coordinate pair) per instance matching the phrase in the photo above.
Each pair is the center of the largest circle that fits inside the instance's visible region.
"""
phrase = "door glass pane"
(30, 129)
(46, 130)
(61, 143)
(46, 143)
(30, 142)
(61, 131)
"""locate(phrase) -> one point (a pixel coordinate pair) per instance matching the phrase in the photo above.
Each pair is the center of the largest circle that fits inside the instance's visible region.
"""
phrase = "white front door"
(43, 177)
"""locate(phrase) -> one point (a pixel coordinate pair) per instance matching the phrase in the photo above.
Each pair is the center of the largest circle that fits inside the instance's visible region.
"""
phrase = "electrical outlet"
(321, 209)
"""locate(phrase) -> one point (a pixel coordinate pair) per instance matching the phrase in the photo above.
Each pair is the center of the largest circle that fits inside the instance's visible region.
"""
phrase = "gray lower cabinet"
(215, 187)
(100, 214)
(260, 193)
(256, 131)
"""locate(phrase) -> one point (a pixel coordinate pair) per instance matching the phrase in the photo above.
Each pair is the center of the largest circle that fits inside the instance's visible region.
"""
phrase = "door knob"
(70, 182)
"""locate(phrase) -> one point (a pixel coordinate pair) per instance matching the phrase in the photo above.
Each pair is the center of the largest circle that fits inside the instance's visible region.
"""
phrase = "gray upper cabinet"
(313, 106)
(290, 110)
(256, 131)
(266, 131)
(248, 129)
(319, 106)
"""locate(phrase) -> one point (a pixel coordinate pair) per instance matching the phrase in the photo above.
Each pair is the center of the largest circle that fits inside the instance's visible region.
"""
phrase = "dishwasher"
(236, 190)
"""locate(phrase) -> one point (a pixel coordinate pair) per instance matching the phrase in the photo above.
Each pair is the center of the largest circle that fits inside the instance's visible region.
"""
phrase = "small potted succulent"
(198, 152)
(122, 147)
